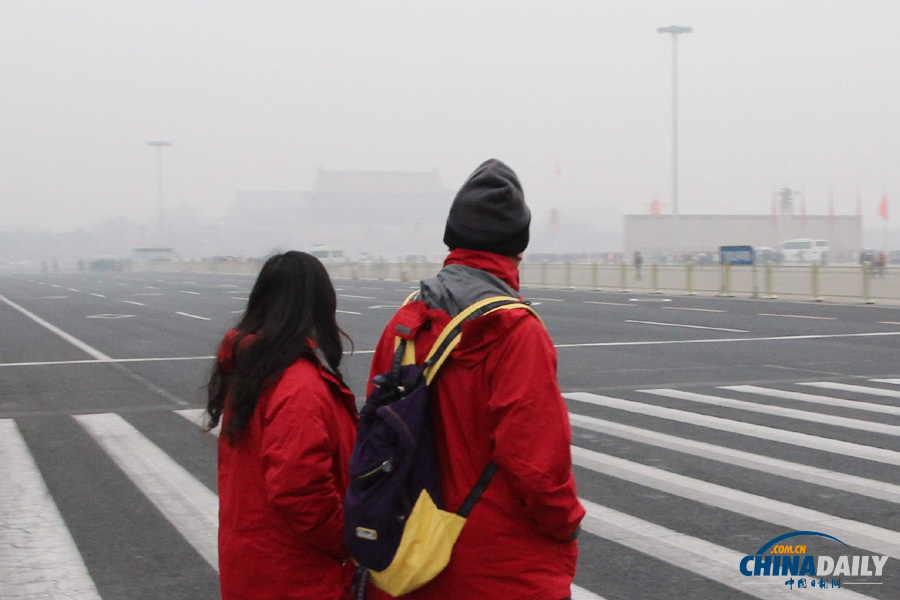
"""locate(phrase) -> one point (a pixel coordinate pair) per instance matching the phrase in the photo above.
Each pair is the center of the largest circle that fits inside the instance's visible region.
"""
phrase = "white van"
(806, 250)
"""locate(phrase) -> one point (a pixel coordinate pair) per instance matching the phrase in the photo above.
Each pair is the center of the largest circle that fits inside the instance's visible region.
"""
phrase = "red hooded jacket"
(498, 399)
(281, 489)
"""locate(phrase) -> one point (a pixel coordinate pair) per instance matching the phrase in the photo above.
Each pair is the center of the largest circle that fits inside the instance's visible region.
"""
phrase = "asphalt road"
(702, 428)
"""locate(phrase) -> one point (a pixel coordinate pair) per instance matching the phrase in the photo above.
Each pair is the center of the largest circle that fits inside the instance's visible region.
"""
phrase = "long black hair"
(292, 302)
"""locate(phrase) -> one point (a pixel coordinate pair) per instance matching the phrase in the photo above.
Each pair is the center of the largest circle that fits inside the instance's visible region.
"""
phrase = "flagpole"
(859, 227)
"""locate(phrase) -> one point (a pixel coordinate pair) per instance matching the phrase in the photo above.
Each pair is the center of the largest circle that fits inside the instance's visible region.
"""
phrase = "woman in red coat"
(288, 427)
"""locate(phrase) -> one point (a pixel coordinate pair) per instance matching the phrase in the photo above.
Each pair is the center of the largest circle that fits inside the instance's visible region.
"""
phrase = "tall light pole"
(159, 145)
(674, 31)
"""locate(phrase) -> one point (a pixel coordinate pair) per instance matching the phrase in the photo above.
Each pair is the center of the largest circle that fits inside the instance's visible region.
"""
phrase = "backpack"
(394, 523)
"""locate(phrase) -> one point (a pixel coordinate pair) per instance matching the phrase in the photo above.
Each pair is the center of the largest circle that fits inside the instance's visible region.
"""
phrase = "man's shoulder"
(507, 327)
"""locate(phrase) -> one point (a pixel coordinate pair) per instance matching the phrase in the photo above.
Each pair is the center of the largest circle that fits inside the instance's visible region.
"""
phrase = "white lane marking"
(348, 312)
(796, 316)
(73, 290)
(712, 310)
(198, 417)
(111, 316)
(791, 413)
(109, 360)
(98, 295)
(357, 297)
(860, 389)
(757, 462)
(184, 314)
(236, 312)
(239, 298)
(853, 533)
(687, 326)
(238, 291)
(125, 284)
(385, 306)
(52, 297)
(148, 294)
(814, 398)
(708, 560)
(190, 283)
(377, 289)
(187, 292)
(651, 300)
(133, 302)
(607, 303)
(227, 285)
(55, 286)
(793, 438)
(780, 338)
(889, 322)
(547, 299)
(893, 381)
(152, 287)
(38, 557)
(579, 593)
(69, 338)
(188, 504)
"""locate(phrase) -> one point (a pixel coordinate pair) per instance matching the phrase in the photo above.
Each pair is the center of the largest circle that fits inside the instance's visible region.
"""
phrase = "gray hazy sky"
(258, 95)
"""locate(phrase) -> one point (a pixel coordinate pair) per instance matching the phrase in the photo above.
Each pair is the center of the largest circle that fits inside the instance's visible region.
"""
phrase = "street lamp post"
(674, 31)
(159, 145)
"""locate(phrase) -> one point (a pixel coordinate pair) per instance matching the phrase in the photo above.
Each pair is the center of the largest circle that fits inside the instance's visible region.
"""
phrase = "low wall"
(803, 282)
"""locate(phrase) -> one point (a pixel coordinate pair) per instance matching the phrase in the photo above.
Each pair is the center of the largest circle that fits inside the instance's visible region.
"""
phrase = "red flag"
(883, 209)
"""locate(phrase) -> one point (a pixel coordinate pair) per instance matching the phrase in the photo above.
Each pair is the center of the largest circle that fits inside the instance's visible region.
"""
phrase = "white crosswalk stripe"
(188, 504)
(814, 398)
(793, 438)
(41, 551)
(758, 462)
(858, 389)
(862, 535)
(689, 553)
(38, 557)
(801, 415)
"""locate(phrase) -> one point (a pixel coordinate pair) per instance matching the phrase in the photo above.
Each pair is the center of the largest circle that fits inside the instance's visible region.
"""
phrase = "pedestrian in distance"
(288, 427)
(496, 400)
(638, 262)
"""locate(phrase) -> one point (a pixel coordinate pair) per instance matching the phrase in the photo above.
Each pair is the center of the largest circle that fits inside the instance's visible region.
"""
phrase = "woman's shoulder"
(303, 372)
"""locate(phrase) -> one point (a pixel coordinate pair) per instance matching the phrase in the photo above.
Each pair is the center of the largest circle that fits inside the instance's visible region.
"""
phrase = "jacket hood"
(227, 354)
(467, 277)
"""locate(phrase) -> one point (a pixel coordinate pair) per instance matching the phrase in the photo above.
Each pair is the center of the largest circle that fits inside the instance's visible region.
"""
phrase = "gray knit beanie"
(489, 212)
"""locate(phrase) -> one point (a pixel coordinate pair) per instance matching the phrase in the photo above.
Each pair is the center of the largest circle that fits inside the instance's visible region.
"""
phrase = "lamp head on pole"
(674, 29)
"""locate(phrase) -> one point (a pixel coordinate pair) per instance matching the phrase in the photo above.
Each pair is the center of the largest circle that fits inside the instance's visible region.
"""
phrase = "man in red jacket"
(497, 399)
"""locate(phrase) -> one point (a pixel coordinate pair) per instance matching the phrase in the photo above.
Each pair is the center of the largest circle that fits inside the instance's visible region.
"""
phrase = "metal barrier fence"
(850, 283)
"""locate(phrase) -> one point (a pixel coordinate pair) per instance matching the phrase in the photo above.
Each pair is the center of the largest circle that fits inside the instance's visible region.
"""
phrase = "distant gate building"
(358, 212)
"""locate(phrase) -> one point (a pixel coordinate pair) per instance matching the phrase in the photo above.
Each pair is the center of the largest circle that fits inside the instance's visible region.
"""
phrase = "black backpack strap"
(480, 486)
